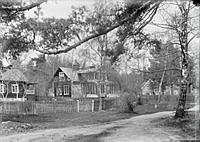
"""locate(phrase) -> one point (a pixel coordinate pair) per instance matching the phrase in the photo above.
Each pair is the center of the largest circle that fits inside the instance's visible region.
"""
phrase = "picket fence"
(40, 107)
(81, 105)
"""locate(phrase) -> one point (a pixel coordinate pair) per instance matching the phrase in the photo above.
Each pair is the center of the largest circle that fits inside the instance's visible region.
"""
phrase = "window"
(96, 75)
(90, 76)
(112, 89)
(61, 76)
(66, 89)
(108, 77)
(2, 90)
(92, 88)
(15, 88)
(102, 89)
(59, 91)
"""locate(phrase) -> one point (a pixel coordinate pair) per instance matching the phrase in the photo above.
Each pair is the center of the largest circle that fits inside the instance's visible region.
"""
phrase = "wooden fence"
(39, 107)
(81, 105)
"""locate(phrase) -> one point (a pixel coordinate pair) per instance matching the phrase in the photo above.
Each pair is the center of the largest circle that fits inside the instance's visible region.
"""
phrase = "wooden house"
(146, 88)
(14, 85)
(86, 82)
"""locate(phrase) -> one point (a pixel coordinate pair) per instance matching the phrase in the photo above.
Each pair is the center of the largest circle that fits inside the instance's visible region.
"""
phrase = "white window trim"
(66, 90)
(16, 86)
(2, 89)
(61, 76)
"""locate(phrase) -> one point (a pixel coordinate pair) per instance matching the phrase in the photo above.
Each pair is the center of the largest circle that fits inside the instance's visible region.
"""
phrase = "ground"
(186, 125)
(13, 124)
(139, 128)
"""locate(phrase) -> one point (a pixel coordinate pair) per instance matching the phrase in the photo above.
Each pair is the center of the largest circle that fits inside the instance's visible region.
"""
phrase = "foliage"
(165, 58)
(114, 53)
(13, 10)
(127, 102)
(62, 35)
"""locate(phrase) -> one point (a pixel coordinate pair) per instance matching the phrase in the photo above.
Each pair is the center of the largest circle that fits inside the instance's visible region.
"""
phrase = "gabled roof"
(72, 74)
(13, 75)
(147, 83)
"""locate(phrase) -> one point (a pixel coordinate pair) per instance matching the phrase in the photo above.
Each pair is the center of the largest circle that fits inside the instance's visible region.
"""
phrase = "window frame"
(16, 86)
(59, 91)
(102, 88)
(2, 88)
(66, 90)
(61, 76)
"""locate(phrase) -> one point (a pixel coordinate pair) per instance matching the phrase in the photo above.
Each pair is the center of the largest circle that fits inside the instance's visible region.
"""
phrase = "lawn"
(26, 123)
(186, 126)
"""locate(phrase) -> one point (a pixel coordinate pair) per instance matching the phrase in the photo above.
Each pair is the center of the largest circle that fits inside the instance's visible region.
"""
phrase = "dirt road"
(135, 129)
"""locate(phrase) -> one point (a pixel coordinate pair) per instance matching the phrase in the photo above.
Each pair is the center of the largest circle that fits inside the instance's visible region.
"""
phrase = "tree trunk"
(99, 96)
(183, 40)
(161, 82)
(180, 110)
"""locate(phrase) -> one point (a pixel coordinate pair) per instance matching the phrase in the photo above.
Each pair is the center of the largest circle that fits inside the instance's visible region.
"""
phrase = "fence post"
(1, 114)
(92, 105)
(78, 106)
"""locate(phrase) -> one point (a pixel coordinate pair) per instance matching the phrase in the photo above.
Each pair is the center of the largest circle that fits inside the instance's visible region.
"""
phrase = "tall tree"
(183, 34)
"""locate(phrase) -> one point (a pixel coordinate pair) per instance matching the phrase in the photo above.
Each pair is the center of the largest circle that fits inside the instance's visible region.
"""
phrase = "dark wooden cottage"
(79, 83)
(62, 82)
(14, 85)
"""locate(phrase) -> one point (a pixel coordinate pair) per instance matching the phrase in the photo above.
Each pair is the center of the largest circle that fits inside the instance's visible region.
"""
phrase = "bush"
(139, 101)
(127, 102)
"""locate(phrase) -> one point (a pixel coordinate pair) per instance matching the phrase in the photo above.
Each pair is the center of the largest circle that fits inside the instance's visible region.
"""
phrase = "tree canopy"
(54, 36)
(165, 59)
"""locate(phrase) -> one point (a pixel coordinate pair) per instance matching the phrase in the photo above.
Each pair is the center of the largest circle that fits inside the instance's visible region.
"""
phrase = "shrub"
(127, 102)
(139, 101)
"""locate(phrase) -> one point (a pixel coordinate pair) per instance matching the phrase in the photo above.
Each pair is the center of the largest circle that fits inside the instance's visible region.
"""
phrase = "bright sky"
(62, 8)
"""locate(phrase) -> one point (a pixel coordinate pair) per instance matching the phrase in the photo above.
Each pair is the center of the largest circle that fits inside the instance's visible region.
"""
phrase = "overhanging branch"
(24, 8)
(120, 23)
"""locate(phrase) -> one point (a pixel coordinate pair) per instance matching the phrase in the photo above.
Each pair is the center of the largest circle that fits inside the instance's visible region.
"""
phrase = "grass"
(59, 120)
(62, 120)
(186, 126)
(69, 119)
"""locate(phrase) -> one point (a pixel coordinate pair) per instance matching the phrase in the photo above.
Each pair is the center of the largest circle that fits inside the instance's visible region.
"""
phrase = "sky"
(62, 8)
